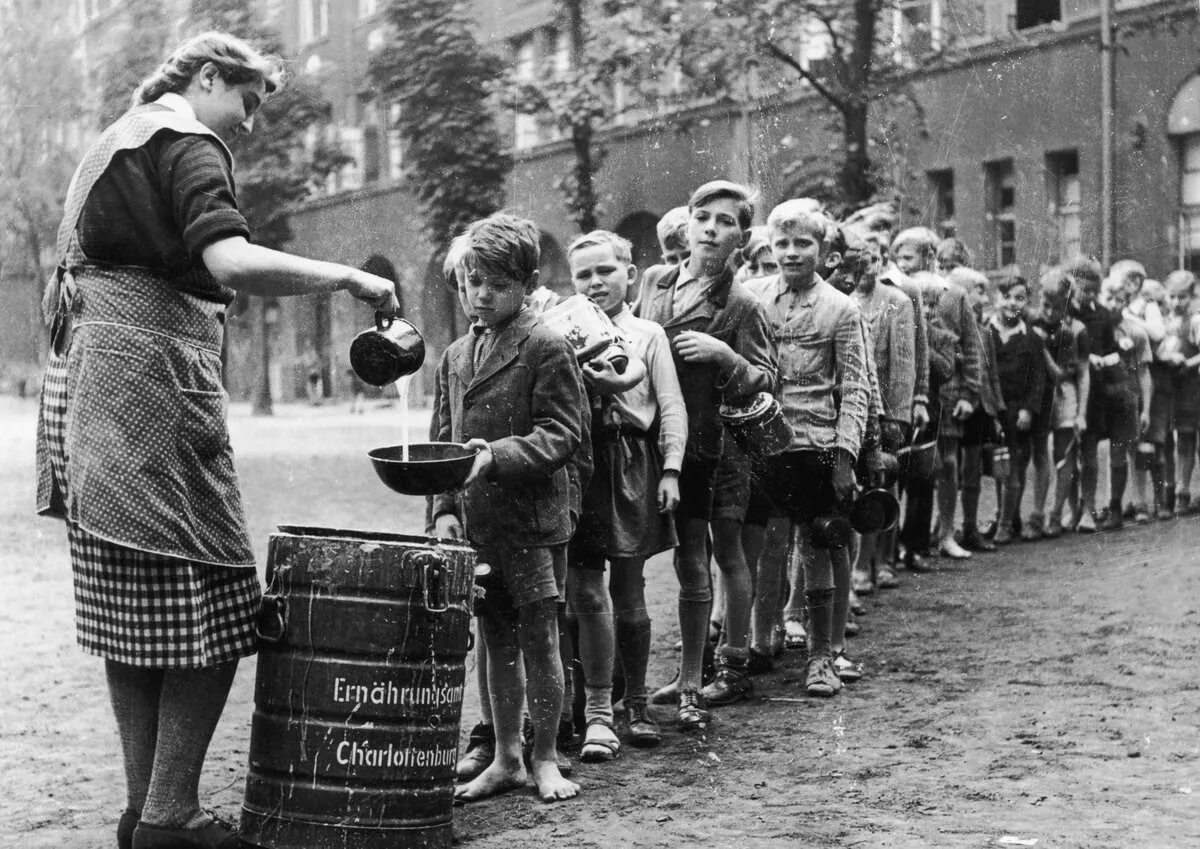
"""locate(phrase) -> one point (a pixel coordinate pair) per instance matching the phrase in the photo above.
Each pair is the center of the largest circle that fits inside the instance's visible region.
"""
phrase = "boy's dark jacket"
(731, 314)
(528, 401)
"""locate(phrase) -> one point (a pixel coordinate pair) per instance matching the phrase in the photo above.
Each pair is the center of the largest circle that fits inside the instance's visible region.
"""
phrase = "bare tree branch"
(789, 60)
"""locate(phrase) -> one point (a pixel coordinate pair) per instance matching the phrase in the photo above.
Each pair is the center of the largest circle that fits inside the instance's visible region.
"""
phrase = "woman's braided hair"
(237, 61)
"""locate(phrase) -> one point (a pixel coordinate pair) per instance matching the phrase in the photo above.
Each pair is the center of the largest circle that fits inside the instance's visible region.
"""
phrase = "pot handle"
(383, 321)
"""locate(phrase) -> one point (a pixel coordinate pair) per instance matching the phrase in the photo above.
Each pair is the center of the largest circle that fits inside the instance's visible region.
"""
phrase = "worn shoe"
(860, 582)
(668, 694)
(846, 669)
(1183, 504)
(644, 732)
(1054, 526)
(691, 715)
(916, 563)
(1032, 530)
(822, 681)
(1004, 535)
(481, 751)
(953, 550)
(1164, 515)
(1086, 523)
(731, 685)
(1113, 522)
(973, 540)
(853, 629)
(1141, 515)
(126, 825)
(600, 742)
(214, 835)
(885, 578)
(794, 636)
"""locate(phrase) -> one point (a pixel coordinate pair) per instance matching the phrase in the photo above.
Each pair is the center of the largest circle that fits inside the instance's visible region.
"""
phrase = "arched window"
(1183, 124)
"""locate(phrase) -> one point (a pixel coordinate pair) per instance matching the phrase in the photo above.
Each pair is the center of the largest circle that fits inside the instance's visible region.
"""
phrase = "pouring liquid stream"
(402, 392)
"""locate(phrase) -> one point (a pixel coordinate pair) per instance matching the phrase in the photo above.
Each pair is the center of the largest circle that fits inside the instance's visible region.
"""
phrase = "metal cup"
(390, 350)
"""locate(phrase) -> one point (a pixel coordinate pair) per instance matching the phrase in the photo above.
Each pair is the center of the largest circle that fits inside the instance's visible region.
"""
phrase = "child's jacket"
(528, 400)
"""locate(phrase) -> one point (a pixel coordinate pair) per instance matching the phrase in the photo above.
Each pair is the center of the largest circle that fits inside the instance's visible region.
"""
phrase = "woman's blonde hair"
(236, 60)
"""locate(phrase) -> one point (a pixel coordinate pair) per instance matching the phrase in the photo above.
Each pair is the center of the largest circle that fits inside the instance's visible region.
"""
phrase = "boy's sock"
(633, 649)
(1118, 478)
(598, 702)
(820, 622)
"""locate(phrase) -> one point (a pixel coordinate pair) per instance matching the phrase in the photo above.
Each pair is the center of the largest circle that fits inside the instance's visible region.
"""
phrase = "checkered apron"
(133, 451)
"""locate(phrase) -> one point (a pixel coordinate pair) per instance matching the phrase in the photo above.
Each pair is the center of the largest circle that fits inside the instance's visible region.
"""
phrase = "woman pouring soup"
(133, 446)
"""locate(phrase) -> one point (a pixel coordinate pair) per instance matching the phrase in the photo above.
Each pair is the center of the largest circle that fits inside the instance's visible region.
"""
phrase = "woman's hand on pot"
(447, 526)
(377, 291)
(483, 460)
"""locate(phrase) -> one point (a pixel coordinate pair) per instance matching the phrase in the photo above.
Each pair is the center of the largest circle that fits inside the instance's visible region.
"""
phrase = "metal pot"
(392, 349)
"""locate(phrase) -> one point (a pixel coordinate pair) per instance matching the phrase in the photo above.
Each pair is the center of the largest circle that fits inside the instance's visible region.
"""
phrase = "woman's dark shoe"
(972, 540)
(215, 835)
(125, 827)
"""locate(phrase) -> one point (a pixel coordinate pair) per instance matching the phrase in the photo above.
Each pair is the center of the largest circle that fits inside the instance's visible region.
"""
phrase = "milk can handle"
(435, 583)
(272, 619)
(383, 321)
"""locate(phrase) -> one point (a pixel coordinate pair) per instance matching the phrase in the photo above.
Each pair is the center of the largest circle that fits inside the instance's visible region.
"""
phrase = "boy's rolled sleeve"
(672, 412)
(559, 402)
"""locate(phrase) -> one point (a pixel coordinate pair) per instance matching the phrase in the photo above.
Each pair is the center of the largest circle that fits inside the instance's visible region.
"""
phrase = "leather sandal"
(600, 743)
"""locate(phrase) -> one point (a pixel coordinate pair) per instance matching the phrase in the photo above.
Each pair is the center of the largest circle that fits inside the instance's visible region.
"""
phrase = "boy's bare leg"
(947, 497)
(1089, 476)
(506, 685)
(735, 580)
(1041, 484)
(840, 559)
(1185, 464)
(795, 609)
(1064, 453)
(538, 637)
(695, 599)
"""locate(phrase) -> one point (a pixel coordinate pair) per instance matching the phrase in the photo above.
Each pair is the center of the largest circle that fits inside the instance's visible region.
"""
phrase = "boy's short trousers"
(977, 430)
(1187, 402)
(799, 484)
(1120, 420)
(1162, 416)
(520, 576)
(948, 426)
(696, 481)
(731, 489)
(620, 515)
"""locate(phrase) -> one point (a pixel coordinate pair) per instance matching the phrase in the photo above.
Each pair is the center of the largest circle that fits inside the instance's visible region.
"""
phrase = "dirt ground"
(1048, 694)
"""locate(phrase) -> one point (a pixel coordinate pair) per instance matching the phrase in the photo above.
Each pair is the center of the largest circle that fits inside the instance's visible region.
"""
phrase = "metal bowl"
(431, 467)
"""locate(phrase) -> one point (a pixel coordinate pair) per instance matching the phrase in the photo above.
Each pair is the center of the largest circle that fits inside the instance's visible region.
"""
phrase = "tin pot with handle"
(390, 350)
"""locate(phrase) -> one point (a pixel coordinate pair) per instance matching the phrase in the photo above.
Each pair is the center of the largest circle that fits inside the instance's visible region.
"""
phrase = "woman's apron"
(133, 445)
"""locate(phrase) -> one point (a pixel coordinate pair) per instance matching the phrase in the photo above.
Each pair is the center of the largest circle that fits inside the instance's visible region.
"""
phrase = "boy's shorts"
(978, 429)
(799, 484)
(1187, 402)
(696, 481)
(731, 489)
(620, 506)
(1162, 415)
(520, 576)
(1121, 420)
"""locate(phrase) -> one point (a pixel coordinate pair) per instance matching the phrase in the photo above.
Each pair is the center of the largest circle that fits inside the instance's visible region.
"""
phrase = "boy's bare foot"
(493, 781)
(551, 785)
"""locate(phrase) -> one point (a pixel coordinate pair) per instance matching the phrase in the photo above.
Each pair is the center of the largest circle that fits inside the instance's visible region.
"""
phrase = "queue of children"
(895, 367)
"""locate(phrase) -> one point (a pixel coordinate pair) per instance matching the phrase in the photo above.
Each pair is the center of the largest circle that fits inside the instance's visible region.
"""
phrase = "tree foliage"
(40, 97)
(139, 52)
(444, 80)
(845, 51)
(274, 171)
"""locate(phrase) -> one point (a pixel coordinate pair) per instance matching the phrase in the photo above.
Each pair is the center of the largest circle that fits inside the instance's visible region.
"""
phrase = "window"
(526, 126)
(916, 29)
(1189, 203)
(562, 53)
(351, 141)
(941, 189)
(367, 8)
(1062, 171)
(395, 144)
(1033, 13)
(1001, 224)
(313, 17)
(372, 143)
(375, 39)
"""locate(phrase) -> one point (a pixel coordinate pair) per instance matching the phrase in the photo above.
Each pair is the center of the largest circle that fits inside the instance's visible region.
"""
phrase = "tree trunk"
(855, 178)
(585, 201)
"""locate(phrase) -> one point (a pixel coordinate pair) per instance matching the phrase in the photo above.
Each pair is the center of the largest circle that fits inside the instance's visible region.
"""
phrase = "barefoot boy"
(512, 389)
(722, 353)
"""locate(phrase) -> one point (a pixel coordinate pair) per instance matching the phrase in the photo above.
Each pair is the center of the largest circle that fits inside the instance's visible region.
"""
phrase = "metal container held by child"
(359, 690)
(589, 331)
(758, 427)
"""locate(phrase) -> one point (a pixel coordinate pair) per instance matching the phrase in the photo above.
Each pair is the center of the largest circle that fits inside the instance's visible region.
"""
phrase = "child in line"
(512, 389)
(722, 353)
(1021, 368)
(1069, 380)
(825, 395)
(638, 447)
(757, 259)
(1154, 459)
(1184, 324)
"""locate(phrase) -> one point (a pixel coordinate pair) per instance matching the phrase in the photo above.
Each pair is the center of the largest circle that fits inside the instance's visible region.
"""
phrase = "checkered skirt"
(145, 609)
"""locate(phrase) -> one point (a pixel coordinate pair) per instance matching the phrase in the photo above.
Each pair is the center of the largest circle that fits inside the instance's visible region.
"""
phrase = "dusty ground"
(1048, 694)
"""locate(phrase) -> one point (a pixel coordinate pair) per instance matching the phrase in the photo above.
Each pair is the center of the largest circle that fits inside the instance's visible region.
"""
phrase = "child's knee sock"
(1118, 476)
(633, 650)
(820, 622)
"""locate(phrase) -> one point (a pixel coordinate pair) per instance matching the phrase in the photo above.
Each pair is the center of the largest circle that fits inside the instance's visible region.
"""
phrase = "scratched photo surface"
(1044, 694)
